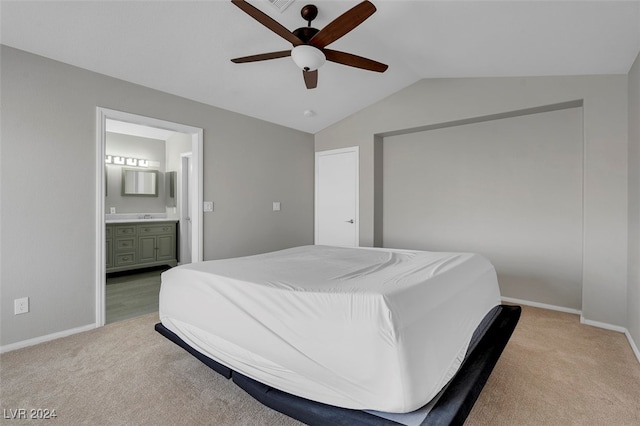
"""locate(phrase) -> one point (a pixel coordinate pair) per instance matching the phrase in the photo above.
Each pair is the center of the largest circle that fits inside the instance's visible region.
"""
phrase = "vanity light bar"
(115, 159)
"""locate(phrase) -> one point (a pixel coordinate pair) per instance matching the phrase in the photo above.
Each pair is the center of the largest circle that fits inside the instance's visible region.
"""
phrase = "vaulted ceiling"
(184, 47)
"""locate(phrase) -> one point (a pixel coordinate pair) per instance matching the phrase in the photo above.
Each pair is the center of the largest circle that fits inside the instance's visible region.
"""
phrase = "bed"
(328, 334)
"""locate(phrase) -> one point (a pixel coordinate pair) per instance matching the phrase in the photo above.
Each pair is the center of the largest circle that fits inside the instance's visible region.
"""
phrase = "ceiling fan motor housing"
(305, 33)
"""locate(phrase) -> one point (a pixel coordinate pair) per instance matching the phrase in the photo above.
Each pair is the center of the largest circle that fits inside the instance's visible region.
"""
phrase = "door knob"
(349, 221)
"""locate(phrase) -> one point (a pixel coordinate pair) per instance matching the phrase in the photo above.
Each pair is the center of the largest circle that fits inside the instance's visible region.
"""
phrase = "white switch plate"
(21, 306)
(208, 206)
(276, 206)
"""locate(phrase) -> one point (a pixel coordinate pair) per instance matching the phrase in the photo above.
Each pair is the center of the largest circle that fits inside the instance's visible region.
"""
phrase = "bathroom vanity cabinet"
(134, 245)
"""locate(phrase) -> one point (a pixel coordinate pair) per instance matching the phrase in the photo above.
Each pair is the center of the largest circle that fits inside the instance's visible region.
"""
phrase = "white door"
(186, 189)
(336, 197)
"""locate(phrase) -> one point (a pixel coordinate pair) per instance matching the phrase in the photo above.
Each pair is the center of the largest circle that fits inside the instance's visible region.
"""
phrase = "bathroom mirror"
(140, 182)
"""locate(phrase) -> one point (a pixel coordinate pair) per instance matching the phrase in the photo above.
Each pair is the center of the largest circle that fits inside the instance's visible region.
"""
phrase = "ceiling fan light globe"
(308, 58)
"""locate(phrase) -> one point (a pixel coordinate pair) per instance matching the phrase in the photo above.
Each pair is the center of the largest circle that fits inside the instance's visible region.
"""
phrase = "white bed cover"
(360, 328)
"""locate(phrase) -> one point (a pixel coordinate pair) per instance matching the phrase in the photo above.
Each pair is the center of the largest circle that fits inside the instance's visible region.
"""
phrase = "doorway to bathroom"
(162, 200)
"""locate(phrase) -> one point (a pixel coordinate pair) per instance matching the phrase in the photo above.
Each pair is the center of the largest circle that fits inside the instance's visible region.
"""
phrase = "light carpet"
(554, 371)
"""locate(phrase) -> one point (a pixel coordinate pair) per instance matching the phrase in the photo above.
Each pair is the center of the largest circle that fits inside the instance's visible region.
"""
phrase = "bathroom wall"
(176, 145)
(136, 147)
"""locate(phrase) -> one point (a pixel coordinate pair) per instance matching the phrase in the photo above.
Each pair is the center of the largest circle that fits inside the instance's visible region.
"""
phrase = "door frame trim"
(190, 189)
(197, 143)
(318, 154)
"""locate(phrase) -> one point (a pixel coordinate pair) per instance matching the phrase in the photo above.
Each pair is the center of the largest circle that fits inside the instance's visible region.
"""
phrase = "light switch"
(276, 206)
(208, 206)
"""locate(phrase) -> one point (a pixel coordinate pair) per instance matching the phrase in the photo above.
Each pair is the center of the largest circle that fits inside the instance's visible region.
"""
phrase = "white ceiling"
(184, 47)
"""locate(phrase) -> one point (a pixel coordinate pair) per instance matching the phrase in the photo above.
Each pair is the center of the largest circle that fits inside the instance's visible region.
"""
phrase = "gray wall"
(509, 189)
(605, 143)
(633, 296)
(136, 147)
(48, 174)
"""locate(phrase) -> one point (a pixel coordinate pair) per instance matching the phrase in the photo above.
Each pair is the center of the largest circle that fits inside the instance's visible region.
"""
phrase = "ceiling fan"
(309, 44)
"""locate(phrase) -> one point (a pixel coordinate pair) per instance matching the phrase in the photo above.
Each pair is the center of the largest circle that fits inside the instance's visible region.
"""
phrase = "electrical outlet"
(21, 306)
(113, 210)
(208, 206)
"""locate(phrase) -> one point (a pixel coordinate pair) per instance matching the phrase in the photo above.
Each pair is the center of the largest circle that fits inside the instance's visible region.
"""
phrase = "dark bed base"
(452, 408)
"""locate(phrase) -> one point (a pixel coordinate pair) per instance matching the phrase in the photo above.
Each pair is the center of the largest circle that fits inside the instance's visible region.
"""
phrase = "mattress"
(361, 328)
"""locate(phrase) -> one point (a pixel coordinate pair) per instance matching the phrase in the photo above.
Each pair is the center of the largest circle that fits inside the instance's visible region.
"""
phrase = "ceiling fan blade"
(343, 24)
(262, 57)
(310, 78)
(354, 60)
(268, 22)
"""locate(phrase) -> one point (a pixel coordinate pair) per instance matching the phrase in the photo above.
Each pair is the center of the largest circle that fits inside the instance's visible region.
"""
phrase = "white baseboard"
(541, 305)
(604, 325)
(583, 320)
(633, 344)
(634, 347)
(47, 338)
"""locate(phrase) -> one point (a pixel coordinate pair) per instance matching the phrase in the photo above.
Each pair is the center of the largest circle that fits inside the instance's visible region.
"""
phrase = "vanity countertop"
(140, 220)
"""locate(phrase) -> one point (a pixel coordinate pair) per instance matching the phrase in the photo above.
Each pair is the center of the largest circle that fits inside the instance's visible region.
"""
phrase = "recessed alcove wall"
(508, 186)
(435, 104)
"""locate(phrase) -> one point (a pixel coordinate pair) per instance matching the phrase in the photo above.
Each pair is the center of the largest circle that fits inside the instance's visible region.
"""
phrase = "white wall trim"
(65, 333)
(46, 338)
(197, 143)
(603, 325)
(634, 347)
(583, 320)
(100, 259)
(617, 328)
(542, 305)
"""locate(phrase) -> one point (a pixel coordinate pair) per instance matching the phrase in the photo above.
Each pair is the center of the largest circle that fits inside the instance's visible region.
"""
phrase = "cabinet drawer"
(125, 230)
(125, 244)
(107, 231)
(166, 228)
(123, 259)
